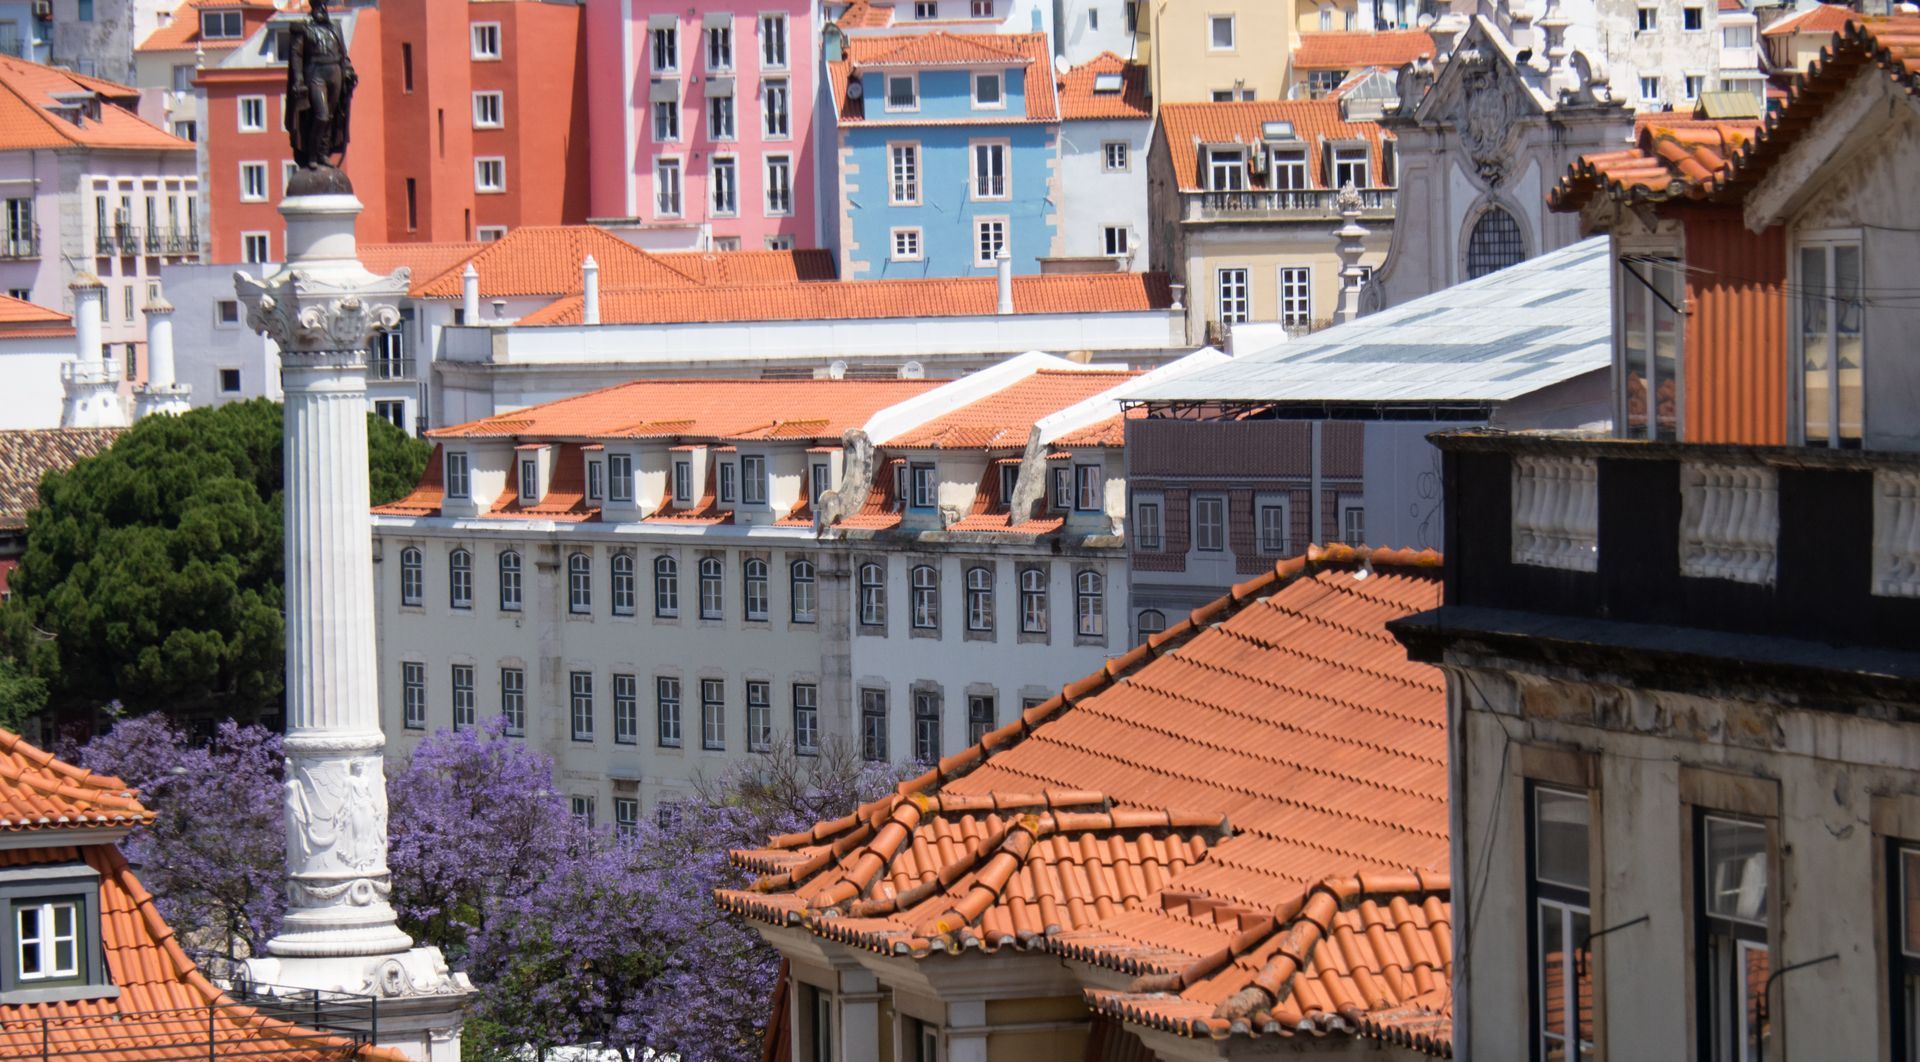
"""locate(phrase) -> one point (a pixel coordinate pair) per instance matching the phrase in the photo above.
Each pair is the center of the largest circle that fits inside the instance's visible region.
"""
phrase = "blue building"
(948, 151)
(23, 32)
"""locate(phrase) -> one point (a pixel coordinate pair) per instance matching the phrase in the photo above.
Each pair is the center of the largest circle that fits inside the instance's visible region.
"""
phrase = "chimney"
(89, 295)
(590, 291)
(1003, 265)
(159, 344)
(470, 295)
(499, 309)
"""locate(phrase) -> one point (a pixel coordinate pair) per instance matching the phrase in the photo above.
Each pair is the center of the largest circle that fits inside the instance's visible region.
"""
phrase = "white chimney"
(1003, 265)
(590, 291)
(89, 295)
(93, 398)
(159, 343)
(470, 295)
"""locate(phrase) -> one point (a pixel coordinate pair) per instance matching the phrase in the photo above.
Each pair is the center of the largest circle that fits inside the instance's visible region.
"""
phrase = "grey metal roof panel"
(1507, 334)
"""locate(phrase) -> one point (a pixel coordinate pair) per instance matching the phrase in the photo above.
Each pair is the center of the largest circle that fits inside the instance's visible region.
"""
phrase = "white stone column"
(161, 393)
(93, 398)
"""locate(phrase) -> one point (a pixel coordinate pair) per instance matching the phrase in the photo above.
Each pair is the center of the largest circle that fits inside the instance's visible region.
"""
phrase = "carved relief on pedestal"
(337, 832)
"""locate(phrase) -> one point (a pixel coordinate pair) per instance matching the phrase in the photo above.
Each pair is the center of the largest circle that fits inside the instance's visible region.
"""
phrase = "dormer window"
(753, 480)
(900, 485)
(596, 480)
(1289, 169)
(1062, 492)
(1226, 169)
(620, 477)
(459, 480)
(727, 474)
(221, 26)
(1088, 481)
(926, 487)
(822, 481)
(47, 940)
(52, 928)
(1350, 167)
(529, 479)
(1009, 477)
(683, 482)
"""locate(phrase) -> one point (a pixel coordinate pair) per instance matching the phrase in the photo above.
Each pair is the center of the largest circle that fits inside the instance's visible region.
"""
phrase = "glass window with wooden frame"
(753, 480)
(801, 586)
(580, 584)
(1275, 526)
(510, 599)
(873, 725)
(1088, 493)
(626, 817)
(903, 92)
(513, 700)
(1829, 343)
(580, 704)
(1150, 622)
(623, 584)
(666, 587)
(759, 716)
(713, 714)
(728, 476)
(1062, 493)
(926, 597)
(1732, 960)
(753, 586)
(981, 717)
(1209, 523)
(1296, 296)
(683, 481)
(413, 695)
(620, 477)
(1288, 169)
(460, 579)
(1351, 167)
(990, 170)
(1903, 923)
(1146, 525)
(712, 586)
(779, 185)
(1226, 170)
(926, 726)
(873, 595)
(773, 40)
(903, 186)
(1033, 601)
(1233, 304)
(666, 121)
(665, 49)
(1649, 347)
(1559, 895)
(1090, 604)
(980, 599)
(806, 718)
(48, 942)
(666, 694)
(459, 485)
(626, 710)
(464, 712)
(666, 188)
(720, 46)
(926, 487)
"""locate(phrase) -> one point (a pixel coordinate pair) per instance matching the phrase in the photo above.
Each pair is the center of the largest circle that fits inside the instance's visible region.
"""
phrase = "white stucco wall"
(1092, 198)
(1085, 28)
(30, 378)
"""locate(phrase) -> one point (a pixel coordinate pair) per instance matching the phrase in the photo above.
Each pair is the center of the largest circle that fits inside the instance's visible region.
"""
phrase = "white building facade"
(1106, 124)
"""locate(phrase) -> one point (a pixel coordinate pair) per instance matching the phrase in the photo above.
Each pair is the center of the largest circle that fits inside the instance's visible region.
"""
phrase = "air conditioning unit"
(43, 10)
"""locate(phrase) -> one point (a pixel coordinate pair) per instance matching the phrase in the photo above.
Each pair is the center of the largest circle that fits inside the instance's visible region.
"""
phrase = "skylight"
(1106, 82)
(1276, 130)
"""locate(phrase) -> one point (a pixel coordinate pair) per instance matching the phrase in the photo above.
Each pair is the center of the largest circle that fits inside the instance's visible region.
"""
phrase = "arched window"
(623, 583)
(1090, 604)
(1495, 244)
(755, 588)
(460, 579)
(580, 583)
(979, 599)
(1151, 622)
(926, 597)
(711, 583)
(509, 580)
(1033, 601)
(413, 588)
(873, 595)
(666, 586)
(804, 607)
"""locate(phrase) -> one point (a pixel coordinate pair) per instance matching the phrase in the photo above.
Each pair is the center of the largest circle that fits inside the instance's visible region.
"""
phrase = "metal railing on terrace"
(259, 1021)
(21, 243)
(1268, 204)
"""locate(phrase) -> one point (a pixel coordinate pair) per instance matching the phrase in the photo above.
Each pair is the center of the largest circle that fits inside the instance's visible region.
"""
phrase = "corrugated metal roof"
(1507, 334)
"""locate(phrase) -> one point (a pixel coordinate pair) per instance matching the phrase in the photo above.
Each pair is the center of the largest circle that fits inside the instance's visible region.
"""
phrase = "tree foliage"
(153, 573)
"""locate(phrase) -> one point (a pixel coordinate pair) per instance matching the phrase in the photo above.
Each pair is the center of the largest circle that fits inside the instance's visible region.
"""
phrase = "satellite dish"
(837, 370)
(855, 90)
(913, 370)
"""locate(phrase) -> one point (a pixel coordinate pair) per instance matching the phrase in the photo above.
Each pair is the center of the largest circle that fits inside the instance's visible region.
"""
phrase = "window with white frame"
(903, 92)
(980, 717)
(713, 603)
(753, 479)
(489, 233)
(464, 713)
(990, 170)
(903, 186)
(666, 692)
(1116, 156)
(1296, 296)
(1693, 18)
(1559, 891)
(987, 93)
(1829, 337)
(413, 695)
(926, 487)
(1220, 33)
(720, 117)
(580, 704)
(803, 605)
(1649, 338)
(490, 175)
(222, 25)
(510, 571)
(926, 597)
(1033, 601)
(1692, 85)
(926, 9)
(980, 599)
(1647, 19)
(989, 239)
(775, 120)
(820, 481)
(1734, 38)
(626, 710)
(664, 49)
(1353, 524)
(713, 713)
(1113, 240)
(458, 482)
(1351, 167)
(529, 480)
(1090, 604)
(626, 817)
(1226, 169)
(253, 114)
(1062, 487)
(806, 718)
(980, 8)
(253, 182)
(1731, 938)
(1209, 523)
(759, 715)
(460, 580)
(682, 482)
(486, 40)
(1275, 525)
(779, 241)
(1649, 86)
(412, 577)
(724, 184)
(779, 185)
(513, 700)
(873, 725)
(773, 40)
(623, 595)
(489, 110)
(580, 806)
(666, 587)
(47, 940)
(926, 726)
(1089, 488)
(873, 595)
(620, 477)
(1287, 169)
(1230, 286)
(254, 249)
(1146, 524)
(580, 584)
(720, 44)
(666, 188)
(753, 588)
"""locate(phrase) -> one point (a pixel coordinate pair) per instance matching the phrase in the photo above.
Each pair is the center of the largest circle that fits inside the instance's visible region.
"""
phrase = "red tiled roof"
(867, 299)
(427, 260)
(182, 33)
(546, 259)
(1348, 50)
(20, 319)
(1109, 432)
(28, 455)
(864, 15)
(1670, 158)
(747, 268)
(1249, 813)
(1730, 6)
(1078, 100)
(1315, 122)
(700, 409)
(41, 792)
(941, 48)
(27, 90)
(1822, 18)
(1004, 419)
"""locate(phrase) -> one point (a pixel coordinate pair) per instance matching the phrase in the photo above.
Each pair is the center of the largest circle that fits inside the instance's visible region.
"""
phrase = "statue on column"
(320, 83)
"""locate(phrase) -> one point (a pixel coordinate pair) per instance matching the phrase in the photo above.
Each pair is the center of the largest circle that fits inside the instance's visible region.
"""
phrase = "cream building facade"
(1230, 50)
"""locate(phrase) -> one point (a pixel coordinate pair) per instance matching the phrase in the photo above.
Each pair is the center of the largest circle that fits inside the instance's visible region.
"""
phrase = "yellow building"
(1217, 50)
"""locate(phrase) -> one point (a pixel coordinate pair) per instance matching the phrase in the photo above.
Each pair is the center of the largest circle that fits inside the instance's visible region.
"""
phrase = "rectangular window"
(720, 45)
(1062, 487)
(1649, 338)
(413, 695)
(775, 118)
(773, 40)
(253, 114)
(822, 479)
(1353, 525)
(626, 709)
(753, 479)
(626, 817)
(596, 477)
(873, 725)
(463, 707)
(1730, 925)
(529, 479)
(458, 483)
(1558, 889)
(1226, 170)
(666, 693)
(728, 473)
(903, 189)
(489, 110)
(1146, 525)
(1736, 37)
(1210, 523)
(221, 25)
(903, 92)
(986, 92)
(1693, 18)
(1832, 355)
(806, 718)
(489, 175)
(581, 808)
(1296, 296)
(990, 171)
(1220, 33)
(759, 716)
(1115, 156)
(713, 714)
(1114, 239)
(620, 477)
(683, 481)
(1351, 167)
(513, 700)
(1648, 20)
(926, 487)
(989, 239)
(1649, 86)
(1274, 527)
(720, 117)
(981, 8)
(779, 186)
(1692, 86)
(1089, 492)
(665, 49)
(980, 717)
(47, 940)
(253, 182)
(581, 704)
(666, 188)
(926, 726)
(1232, 299)
(406, 68)
(724, 184)
(1903, 864)
(486, 40)
(666, 121)
(1288, 168)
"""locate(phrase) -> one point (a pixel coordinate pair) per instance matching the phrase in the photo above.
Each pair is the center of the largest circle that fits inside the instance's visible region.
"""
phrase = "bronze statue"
(320, 82)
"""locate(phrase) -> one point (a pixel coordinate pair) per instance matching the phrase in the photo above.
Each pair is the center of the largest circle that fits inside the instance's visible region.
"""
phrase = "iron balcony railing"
(1264, 204)
(22, 242)
(129, 238)
(258, 1021)
(182, 241)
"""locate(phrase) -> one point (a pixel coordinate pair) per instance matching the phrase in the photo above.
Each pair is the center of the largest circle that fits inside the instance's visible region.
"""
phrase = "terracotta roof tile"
(27, 92)
(1731, 6)
(1349, 50)
(1080, 100)
(1821, 18)
(1109, 432)
(19, 311)
(1670, 158)
(861, 14)
(545, 260)
(182, 33)
(1315, 122)
(28, 455)
(868, 299)
(1004, 419)
(941, 48)
(40, 792)
(747, 268)
(427, 260)
(1301, 878)
(700, 409)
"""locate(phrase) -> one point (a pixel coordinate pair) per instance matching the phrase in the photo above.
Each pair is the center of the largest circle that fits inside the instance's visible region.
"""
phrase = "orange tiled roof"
(1271, 772)
(183, 32)
(1315, 122)
(41, 792)
(941, 48)
(1078, 100)
(861, 14)
(20, 319)
(27, 90)
(700, 409)
(1005, 418)
(1109, 432)
(28, 455)
(545, 260)
(1349, 50)
(1822, 18)
(747, 268)
(427, 260)
(868, 299)
(1670, 158)
(1729, 6)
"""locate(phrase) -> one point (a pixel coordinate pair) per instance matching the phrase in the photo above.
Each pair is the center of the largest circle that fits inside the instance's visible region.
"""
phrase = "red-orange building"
(469, 120)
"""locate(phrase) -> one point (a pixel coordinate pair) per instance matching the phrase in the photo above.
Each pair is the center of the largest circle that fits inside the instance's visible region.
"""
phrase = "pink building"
(702, 124)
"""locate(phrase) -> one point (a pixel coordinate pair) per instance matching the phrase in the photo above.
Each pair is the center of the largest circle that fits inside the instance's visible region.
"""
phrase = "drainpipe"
(1003, 265)
(470, 295)
(590, 291)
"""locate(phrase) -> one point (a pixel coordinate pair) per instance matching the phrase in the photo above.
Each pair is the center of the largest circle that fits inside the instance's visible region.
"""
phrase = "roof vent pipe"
(590, 291)
(470, 295)
(1003, 263)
